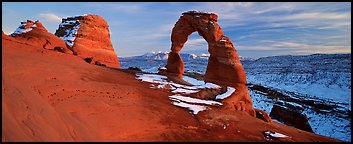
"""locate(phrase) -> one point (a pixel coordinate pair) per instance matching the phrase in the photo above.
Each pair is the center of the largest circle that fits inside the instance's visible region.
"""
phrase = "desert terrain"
(51, 94)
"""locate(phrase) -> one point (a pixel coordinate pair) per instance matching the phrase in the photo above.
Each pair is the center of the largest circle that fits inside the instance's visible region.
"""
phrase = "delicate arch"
(224, 66)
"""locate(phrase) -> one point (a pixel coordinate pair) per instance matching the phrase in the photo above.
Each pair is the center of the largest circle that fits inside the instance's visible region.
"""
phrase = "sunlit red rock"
(89, 37)
(34, 33)
(223, 67)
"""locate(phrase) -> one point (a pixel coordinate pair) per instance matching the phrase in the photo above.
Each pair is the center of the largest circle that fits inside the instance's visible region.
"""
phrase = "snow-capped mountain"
(319, 79)
(185, 56)
(155, 55)
(246, 58)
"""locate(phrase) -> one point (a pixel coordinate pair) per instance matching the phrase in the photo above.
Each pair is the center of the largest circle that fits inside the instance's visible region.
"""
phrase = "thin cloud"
(322, 49)
(289, 44)
(255, 48)
(304, 48)
(279, 15)
(196, 42)
(317, 15)
(125, 8)
(50, 16)
(286, 7)
(298, 48)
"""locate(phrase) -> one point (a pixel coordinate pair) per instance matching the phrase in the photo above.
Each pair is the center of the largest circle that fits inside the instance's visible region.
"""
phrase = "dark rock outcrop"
(99, 63)
(260, 114)
(290, 115)
(134, 68)
(88, 60)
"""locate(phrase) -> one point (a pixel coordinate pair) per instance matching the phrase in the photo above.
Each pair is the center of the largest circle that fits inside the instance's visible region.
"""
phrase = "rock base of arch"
(224, 67)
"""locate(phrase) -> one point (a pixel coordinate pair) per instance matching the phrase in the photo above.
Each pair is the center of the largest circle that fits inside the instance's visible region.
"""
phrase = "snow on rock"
(199, 12)
(193, 81)
(228, 93)
(205, 55)
(184, 86)
(208, 85)
(195, 100)
(162, 68)
(193, 108)
(184, 91)
(183, 101)
(70, 33)
(69, 22)
(21, 29)
(152, 78)
(270, 134)
(294, 104)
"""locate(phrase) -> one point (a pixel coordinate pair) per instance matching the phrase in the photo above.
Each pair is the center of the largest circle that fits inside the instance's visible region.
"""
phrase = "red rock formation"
(223, 67)
(89, 37)
(34, 33)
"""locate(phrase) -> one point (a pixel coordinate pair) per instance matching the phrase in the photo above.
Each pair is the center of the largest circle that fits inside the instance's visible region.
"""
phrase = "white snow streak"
(193, 108)
(228, 93)
(276, 135)
(195, 100)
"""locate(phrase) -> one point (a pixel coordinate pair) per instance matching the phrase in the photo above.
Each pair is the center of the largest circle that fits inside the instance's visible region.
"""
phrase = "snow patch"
(163, 68)
(152, 78)
(184, 91)
(195, 100)
(208, 85)
(294, 104)
(193, 81)
(193, 108)
(70, 33)
(202, 12)
(21, 29)
(183, 101)
(275, 134)
(228, 93)
(205, 55)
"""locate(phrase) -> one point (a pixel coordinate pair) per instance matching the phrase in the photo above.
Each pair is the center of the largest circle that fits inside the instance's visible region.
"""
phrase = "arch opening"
(193, 55)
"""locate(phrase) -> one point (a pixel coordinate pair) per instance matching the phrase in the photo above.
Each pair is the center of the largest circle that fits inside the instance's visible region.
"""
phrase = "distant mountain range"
(185, 56)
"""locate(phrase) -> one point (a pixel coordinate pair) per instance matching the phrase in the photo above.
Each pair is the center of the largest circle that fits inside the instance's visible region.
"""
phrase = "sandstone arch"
(224, 66)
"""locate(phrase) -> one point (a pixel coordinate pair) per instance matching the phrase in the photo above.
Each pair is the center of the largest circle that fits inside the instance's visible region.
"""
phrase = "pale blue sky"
(256, 29)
